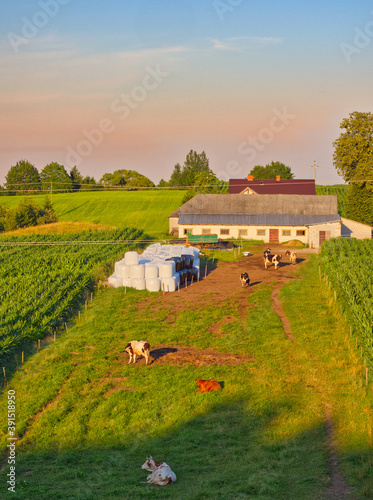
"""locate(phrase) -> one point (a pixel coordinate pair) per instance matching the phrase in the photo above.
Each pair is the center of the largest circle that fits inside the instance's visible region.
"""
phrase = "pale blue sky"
(206, 75)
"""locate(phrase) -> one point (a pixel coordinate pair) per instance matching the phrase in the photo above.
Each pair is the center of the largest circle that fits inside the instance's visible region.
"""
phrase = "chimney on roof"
(250, 177)
(278, 178)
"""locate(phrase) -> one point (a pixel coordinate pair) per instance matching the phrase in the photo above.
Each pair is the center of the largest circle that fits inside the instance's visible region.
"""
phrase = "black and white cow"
(245, 280)
(272, 259)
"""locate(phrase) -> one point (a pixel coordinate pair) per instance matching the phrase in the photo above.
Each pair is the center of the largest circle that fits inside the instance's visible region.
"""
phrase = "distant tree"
(89, 184)
(271, 170)
(195, 163)
(76, 179)
(206, 182)
(23, 176)
(162, 183)
(353, 160)
(54, 175)
(123, 177)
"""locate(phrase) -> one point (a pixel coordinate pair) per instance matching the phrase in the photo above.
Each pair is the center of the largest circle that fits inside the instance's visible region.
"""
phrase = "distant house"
(274, 218)
(271, 186)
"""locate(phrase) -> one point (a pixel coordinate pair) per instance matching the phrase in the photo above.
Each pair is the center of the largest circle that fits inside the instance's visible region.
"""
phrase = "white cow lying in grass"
(161, 473)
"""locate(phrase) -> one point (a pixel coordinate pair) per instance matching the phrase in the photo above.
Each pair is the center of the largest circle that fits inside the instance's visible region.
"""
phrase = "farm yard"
(293, 420)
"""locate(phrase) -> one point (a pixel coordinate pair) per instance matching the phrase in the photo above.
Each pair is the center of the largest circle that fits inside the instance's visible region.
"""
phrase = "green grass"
(140, 209)
(262, 437)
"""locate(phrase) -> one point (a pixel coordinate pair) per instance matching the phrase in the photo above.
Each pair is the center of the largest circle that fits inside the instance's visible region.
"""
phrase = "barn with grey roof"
(273, 218)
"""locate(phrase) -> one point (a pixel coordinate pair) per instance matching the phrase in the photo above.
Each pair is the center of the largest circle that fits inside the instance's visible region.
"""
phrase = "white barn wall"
(310, 237)
(353, 229)
(234, 232)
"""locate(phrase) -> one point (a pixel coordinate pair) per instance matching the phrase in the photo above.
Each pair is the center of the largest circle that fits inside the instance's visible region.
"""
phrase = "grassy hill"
(145, 210)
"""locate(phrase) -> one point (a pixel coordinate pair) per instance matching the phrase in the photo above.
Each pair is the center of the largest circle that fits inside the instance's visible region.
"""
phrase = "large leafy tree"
(54, 176)
(353, 159)
(129, 178)
(23, 176)
(353, 150)
(195, 163)
(271, 170)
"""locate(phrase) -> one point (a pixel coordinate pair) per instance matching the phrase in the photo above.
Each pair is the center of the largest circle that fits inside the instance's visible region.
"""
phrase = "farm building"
(273, 218)
(271, 186)
(358, 230)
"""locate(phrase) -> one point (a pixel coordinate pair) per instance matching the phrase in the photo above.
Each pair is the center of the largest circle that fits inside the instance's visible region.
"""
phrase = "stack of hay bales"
(159, 267)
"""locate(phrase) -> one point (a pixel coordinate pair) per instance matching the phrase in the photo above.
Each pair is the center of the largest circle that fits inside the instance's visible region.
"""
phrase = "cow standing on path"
(272, 259)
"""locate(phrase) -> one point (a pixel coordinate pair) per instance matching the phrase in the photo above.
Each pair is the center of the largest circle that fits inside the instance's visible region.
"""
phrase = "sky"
(119, 84)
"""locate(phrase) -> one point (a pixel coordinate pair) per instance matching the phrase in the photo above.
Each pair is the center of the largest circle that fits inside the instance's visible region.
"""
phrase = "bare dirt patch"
(222, 284)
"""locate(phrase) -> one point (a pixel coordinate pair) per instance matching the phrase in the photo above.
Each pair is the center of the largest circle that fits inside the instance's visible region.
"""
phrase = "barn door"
(273, 235)
(323, 235)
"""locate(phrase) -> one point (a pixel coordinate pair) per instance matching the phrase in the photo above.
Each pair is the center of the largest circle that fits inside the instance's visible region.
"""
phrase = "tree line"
(195, 174)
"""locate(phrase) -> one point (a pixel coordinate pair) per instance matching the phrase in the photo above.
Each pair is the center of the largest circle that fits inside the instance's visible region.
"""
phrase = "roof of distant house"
(272, 186)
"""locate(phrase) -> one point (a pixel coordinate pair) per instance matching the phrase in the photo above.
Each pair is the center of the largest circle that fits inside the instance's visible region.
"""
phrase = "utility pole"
(314, 166)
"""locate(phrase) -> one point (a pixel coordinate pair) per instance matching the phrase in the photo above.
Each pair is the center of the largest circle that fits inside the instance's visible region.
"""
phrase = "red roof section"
(273, 186)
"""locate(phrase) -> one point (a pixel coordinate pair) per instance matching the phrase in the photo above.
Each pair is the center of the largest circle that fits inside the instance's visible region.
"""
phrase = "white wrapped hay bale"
(154, 246)
(139, 283)
(151, 271)
(166, 269)
(170, 284)
(131, 258)
(115, 281)
(127, 282)
(123, 270)
(153, 284)
(138, 271)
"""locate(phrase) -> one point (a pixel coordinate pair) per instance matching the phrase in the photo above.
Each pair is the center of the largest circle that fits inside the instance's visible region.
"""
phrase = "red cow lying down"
(207, 385)
(161, 473)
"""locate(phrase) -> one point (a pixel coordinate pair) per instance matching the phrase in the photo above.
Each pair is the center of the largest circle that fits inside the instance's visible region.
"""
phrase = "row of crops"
(43, 279)
(348, 265)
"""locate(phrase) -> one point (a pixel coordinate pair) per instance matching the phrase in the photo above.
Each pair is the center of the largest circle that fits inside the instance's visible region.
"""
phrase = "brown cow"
(207, 385)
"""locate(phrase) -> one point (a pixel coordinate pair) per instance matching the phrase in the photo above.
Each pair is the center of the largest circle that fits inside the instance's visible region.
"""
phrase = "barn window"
(260, 232)
(286, 232)
(242, 232)
(206, 231)
(224, 231)
(301, 232)
(188, 230)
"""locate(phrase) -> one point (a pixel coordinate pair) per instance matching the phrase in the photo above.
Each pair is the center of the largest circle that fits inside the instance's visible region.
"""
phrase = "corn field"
(43, 279)
(348, 265)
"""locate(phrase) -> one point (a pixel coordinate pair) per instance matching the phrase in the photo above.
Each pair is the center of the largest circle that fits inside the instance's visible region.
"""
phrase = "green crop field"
(145, 210)
(352, 282)
(43, 279)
